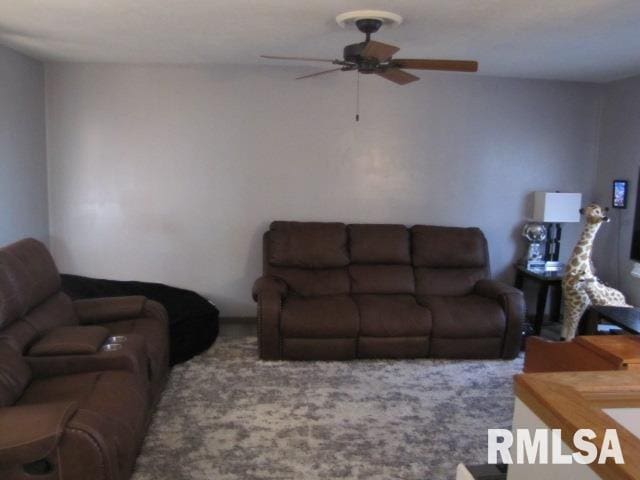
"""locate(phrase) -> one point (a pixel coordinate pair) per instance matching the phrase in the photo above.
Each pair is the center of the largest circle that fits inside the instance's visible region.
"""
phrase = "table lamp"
(554, 209)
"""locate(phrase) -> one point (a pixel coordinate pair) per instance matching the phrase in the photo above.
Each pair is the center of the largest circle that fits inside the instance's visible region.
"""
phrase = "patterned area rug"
(226, 415)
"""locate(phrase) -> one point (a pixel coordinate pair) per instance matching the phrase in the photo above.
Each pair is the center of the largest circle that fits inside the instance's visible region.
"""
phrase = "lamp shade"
(554, 207)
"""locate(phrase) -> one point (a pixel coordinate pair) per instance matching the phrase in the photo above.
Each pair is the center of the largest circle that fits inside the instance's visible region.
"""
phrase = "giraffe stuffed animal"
(603, 295)
(579, 271)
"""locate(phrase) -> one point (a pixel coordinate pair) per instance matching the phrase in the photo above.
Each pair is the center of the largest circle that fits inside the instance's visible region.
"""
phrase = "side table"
(545, 280)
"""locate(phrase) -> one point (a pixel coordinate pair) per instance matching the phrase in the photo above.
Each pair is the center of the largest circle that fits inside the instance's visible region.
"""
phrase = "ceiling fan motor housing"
(368, 25)
(353, 52)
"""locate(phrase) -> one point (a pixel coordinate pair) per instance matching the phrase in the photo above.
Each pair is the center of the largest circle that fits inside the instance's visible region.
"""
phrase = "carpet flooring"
(225, 415)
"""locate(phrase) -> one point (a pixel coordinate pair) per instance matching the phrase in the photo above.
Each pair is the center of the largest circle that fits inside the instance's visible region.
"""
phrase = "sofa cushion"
(447, 281)
(470, 316)
(381, 279)
(448, 247)
(308, 244)
(310, 282)
(387, 244)
(15, 375)
(392, 316)
(83, 340)
(319, 317)
(44, 279)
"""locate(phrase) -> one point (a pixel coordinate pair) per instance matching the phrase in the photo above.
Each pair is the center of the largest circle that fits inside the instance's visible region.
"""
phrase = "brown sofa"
(335, 291)
(70, 410)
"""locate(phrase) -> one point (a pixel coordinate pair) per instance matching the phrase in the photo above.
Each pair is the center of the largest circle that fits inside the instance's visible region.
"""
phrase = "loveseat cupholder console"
(117, 339)
(111, 347)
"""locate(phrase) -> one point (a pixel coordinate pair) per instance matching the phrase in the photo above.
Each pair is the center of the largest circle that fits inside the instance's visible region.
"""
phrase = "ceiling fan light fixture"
(388, 19)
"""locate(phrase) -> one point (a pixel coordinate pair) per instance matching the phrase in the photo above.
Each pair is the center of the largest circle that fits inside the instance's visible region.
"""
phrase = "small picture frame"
(619, 194)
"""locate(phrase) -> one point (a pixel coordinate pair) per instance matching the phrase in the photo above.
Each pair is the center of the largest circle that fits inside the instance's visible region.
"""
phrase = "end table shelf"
(545, 280)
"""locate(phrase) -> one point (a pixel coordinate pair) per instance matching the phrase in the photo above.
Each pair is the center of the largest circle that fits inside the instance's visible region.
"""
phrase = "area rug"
(225, 415)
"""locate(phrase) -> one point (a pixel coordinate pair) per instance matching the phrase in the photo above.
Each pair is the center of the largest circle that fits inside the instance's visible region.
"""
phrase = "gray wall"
(23, 160)
(171, 174)
(619, 158)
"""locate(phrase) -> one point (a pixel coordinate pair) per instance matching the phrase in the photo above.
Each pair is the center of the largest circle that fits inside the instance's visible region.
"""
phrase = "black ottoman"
(193, 321)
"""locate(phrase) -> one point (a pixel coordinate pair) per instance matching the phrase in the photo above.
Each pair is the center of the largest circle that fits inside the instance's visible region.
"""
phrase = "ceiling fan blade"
(319, 73)
(398, 76)
(378, 50)
(426, 64)
(306, 59)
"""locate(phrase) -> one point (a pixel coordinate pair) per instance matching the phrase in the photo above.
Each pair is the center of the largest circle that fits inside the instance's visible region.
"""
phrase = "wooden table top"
(574, 400)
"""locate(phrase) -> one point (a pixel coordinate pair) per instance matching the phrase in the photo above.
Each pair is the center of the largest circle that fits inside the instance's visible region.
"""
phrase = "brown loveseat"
(335, 291)
(69, 410)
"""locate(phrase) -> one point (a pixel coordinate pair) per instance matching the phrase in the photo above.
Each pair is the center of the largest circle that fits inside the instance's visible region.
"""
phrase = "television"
(635, 239)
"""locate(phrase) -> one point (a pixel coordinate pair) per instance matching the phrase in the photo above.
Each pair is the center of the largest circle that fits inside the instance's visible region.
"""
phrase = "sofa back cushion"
(35, 264)
(382, 279)
(308, 282)
(307, 245)
(379, 244)
(15, 375)
(448, 260)
(448, 247)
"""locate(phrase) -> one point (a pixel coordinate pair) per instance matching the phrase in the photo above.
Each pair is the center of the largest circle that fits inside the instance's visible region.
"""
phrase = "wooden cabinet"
(584, 353)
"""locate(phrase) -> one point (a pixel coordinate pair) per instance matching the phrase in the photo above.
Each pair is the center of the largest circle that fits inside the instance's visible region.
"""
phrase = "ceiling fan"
(371, 56)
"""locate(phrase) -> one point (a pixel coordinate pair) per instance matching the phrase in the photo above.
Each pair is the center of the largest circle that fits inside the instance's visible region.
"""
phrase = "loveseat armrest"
(268, 283)
(512, 302)
(109, 309)
(269, 291)
(31, 432)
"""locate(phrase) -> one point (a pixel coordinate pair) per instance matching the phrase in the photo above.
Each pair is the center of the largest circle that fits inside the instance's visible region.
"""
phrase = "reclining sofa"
(332, 291)
(78, 380)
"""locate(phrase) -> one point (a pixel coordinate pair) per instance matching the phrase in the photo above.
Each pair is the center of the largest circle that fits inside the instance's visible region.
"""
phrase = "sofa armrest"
(512, 302)
(270, 284)
(31, 432)
(108, 309)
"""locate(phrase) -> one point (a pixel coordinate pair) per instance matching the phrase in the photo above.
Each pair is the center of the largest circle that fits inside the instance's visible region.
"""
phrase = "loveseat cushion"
(330, 316)
(112, 411)
(469, 316)
(11, 294)
(41, 270)
(307, 245)
(381, 279)
(15, 375)
(379, 244)
(392, 316)
(448, 247)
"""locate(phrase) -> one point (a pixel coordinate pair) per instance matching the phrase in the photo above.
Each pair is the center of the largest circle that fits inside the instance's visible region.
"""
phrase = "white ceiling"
(592, 40)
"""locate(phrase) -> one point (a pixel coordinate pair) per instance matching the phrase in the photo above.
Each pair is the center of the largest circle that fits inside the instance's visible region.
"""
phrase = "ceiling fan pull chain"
(357, 96)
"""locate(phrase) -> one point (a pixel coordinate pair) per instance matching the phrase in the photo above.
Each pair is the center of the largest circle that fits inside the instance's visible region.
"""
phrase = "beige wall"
(172, 173)
(23, 160)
